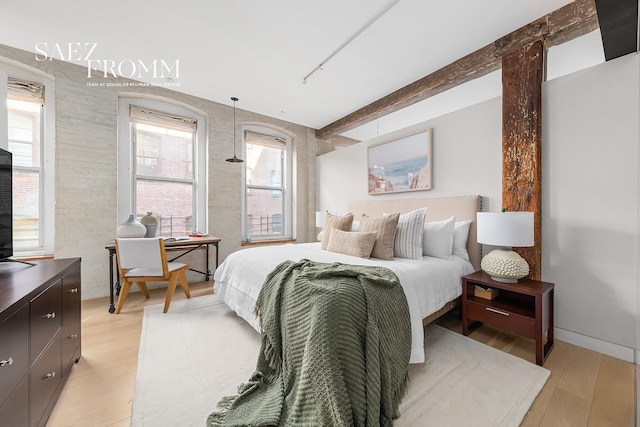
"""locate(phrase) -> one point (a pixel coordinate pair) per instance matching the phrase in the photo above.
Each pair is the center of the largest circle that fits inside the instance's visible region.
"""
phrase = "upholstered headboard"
(463, 207)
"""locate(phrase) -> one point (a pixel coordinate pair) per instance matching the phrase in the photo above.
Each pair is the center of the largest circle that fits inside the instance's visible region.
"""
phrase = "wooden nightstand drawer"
(503, 319)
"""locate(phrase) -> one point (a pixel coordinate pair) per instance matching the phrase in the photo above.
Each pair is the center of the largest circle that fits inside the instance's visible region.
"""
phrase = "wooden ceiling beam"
(573, 20)
(618, 26)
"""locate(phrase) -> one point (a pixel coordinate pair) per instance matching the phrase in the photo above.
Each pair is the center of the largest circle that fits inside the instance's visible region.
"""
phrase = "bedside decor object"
(131, 228)
(234, 159)
(150, 222)
(505, 230)
(486, 293)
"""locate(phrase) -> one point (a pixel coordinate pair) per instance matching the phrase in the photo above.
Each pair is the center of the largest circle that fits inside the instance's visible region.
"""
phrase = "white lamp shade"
(505, 229)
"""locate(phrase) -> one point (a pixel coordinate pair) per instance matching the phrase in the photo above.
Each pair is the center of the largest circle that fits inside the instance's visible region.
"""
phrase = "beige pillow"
(386, 227)
(354, 243)
(338, 222)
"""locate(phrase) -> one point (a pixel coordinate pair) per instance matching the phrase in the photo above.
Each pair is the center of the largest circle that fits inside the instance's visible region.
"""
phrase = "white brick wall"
(86, 168)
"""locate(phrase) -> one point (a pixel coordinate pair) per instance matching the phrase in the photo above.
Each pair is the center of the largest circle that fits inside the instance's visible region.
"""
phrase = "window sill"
(267, 242)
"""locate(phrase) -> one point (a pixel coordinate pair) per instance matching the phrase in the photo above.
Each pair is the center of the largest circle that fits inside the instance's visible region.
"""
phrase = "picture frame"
(403, 164)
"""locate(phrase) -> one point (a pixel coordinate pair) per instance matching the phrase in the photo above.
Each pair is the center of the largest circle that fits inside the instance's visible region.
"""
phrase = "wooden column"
(522, 74)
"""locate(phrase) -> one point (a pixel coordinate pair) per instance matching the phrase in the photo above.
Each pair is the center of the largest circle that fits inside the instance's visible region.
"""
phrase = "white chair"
(142, 260)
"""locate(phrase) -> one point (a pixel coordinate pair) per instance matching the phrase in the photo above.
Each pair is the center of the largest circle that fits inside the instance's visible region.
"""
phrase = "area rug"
(200, 351)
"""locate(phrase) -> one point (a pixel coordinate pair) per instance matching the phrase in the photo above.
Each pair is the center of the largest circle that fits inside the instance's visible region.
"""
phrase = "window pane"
(264, 165)
(264, 212)
(171, 201)
(26, 209)
(163, 152)
(24, 132)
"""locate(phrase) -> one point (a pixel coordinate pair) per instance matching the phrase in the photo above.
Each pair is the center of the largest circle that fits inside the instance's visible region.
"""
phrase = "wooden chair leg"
(124, 291)
(182, 278)
(144, 289)
(171, 288)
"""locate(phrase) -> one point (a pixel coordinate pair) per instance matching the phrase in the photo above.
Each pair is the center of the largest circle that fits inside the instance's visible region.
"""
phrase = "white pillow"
(408, 240)
(460, 235)
(355, 225)
(438, 238)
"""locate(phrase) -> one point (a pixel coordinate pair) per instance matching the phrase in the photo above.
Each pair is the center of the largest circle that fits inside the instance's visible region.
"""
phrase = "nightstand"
(524, 308)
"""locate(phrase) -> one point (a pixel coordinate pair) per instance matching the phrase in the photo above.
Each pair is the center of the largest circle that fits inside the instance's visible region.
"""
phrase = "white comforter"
(428, 283)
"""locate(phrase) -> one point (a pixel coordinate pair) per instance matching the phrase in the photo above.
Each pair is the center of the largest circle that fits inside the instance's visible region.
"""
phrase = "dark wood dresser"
(39, 337)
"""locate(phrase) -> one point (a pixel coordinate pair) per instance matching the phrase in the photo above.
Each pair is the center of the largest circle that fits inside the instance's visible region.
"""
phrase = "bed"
(431, 284)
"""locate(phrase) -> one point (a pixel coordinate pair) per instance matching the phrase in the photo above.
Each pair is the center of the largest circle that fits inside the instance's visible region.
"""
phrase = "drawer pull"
(49, 315)
(73, 290)
(49, 376)
(9, 361)
(73, 336)
(493, 310)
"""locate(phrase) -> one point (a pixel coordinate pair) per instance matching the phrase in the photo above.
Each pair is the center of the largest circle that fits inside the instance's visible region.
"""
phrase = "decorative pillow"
(408, 241)
(352, 243)
(334, 222)
(438, 238)
(385, 227)
(355, 225)
(460, 235)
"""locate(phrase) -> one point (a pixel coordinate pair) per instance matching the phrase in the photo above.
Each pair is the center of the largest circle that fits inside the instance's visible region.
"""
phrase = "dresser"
(39, 337)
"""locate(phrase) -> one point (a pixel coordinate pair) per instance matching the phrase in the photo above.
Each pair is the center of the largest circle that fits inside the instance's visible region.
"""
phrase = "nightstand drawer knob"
(493, 310)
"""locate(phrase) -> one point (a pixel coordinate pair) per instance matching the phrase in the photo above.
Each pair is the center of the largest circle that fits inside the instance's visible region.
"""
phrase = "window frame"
(47, 170)
(286, 185)
(127, 157)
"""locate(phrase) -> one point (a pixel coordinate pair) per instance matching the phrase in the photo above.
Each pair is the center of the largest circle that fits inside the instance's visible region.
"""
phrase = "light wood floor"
(585, 388)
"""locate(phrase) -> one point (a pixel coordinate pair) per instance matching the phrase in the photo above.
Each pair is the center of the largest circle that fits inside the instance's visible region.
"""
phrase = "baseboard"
(610, 349)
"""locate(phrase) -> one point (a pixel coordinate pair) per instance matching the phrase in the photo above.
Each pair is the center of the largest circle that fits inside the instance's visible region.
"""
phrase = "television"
(6, 205)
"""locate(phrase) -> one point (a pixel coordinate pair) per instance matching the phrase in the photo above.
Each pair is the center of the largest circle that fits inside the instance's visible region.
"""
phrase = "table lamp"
(505, 230)
(320, 219)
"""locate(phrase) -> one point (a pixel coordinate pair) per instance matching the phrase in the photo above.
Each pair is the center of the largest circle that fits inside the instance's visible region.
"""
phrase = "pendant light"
(234, 159)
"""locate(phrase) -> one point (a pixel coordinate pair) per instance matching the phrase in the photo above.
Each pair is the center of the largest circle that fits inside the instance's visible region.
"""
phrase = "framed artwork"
(403, 164)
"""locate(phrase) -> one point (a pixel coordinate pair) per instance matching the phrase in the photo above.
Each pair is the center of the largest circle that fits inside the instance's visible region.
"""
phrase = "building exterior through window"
(25, 106)
(267, 199)
(162, 165)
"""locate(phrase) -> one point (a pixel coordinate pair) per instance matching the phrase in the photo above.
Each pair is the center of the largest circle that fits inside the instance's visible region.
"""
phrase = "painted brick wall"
(86, 167)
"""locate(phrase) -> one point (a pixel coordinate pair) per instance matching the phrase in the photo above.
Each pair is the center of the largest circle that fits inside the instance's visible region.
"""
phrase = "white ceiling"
(260, 50)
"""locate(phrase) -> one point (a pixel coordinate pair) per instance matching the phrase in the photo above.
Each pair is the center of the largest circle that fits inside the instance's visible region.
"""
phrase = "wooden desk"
(188, 245)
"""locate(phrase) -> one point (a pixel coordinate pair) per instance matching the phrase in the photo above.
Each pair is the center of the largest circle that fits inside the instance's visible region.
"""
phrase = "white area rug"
(200, 351)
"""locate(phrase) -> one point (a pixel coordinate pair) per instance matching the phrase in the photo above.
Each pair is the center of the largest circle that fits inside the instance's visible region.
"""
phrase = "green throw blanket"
(336, 341)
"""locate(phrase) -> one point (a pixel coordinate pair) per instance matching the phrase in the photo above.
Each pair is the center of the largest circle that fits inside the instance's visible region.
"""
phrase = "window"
(163, 151)
(25, 132)
(267, 201)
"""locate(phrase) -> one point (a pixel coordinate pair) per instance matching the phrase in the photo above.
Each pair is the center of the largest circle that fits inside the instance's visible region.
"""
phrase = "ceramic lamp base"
(504, 265)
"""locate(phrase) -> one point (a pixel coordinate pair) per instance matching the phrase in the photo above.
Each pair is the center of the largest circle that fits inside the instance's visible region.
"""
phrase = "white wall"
(466, 160)
(590, 193)
(590, 199)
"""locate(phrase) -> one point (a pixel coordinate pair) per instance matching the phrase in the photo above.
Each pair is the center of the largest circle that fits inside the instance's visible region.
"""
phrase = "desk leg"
(207, 273)
(112, 306)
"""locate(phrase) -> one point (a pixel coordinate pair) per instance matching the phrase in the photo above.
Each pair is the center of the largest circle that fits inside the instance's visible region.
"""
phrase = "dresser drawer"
(501, 318)
(14, 351)
(71, 320)
(46, 318)
(14, 412)
(45, 378)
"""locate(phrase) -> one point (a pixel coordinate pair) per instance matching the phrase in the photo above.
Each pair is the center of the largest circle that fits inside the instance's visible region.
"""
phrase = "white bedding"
(428, 283)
